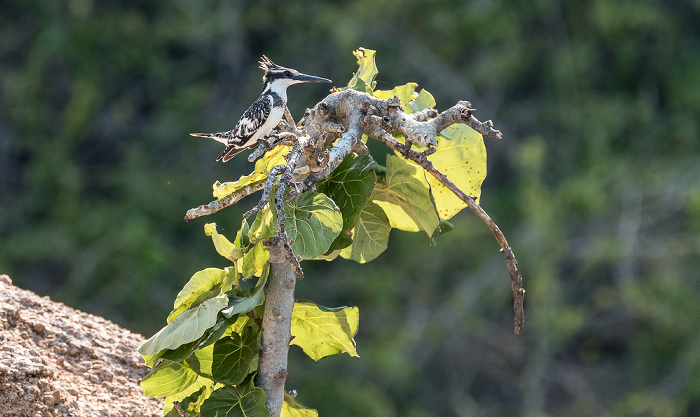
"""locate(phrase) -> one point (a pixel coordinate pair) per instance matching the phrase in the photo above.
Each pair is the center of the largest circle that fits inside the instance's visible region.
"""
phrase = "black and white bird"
(263, 115)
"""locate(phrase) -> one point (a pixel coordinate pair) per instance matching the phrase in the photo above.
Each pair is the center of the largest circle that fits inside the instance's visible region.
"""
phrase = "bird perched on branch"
(263, 115)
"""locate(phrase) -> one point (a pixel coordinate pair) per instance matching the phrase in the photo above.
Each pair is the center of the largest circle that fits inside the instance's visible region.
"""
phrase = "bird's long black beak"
(303, 78)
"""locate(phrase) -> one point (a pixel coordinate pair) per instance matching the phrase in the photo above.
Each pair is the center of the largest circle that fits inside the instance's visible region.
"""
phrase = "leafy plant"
(224, 349)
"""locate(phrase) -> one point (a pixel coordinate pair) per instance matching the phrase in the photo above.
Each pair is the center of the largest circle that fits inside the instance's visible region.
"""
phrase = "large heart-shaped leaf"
(312, 222)
(322, 331)
(233, 355)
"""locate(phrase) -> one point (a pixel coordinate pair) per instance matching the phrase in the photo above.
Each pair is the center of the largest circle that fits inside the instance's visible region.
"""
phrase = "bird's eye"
(288, 73)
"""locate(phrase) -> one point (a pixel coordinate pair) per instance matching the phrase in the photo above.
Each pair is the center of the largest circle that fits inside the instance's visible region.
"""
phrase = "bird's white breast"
(272, 121)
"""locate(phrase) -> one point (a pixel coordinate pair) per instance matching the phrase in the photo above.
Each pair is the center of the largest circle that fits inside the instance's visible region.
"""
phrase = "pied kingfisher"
(263, 115)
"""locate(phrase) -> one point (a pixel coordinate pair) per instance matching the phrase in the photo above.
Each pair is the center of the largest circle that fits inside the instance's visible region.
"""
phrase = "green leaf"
(242, 238)
(203, 285)
(233, 355)
(264, 226)
(443, 228)
(227, 401)
(461, 155)
(263, 166)
(255, 261)
(187, 327)
(167, 379)
(239, 305)
(271, 159)
(363, 79)
(343, 240)
(350, 186)
(201, 360)
(405, 197)
(190, 399)
(419, 101)
(291, 408)
(405, 93)
(322, 331)
(223, 246)
(370, 236)
(313, 222)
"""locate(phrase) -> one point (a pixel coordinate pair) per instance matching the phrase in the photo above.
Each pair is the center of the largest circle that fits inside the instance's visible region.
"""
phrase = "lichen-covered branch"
(216, 205)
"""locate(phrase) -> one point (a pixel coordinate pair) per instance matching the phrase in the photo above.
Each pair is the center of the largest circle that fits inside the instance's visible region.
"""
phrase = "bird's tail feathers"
(229, 153)
(217, 137)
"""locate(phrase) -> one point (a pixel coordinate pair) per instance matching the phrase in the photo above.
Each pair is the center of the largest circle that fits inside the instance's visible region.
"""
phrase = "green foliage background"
(596, 184)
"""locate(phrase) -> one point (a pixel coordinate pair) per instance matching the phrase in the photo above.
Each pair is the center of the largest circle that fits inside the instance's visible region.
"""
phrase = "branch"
(221, 203)
(421, 158)
(276, 323)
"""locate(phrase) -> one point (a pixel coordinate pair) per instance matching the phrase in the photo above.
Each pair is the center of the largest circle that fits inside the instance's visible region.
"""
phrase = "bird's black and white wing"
(243, 136)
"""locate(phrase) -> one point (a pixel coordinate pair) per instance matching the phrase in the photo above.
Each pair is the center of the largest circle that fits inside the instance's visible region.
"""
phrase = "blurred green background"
(596, 184)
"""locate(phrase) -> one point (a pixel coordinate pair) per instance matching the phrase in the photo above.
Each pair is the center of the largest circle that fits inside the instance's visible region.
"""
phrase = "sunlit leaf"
(223, 246)
(232, 357)
(420, 101)
(405, 92)
(190, 399)
(363, 79)
(370, 236)
(313, 222)
(242, 239)
(227, 401)
(263, 166)
(405, 197)
(461, 155)
(202, 359)
(292, 408)
(167, 379)
(271, 159)
(187, 327)
(203, 285)
(350, 186)
(255, 261)
(322, 331)
(264, 226)
(221, 190)
(237, 305)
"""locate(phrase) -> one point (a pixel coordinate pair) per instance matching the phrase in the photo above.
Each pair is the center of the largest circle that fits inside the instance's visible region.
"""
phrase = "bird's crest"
(267, 65)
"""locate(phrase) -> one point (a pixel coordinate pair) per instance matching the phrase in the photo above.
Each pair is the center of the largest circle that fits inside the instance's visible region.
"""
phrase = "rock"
(57, 361)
